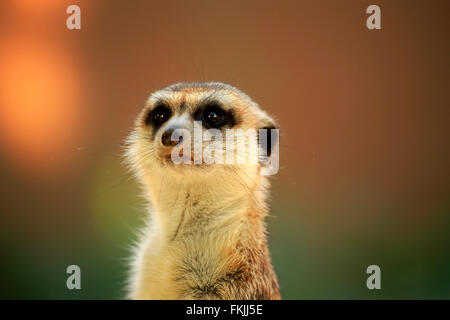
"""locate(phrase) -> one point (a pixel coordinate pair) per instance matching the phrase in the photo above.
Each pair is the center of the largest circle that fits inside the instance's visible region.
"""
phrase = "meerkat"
(206, 235)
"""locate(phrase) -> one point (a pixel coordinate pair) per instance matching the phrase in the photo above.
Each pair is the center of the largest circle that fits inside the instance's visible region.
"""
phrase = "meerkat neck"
(178, 206)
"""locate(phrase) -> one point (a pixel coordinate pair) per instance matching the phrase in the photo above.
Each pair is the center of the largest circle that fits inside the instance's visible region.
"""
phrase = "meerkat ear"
(268, 138)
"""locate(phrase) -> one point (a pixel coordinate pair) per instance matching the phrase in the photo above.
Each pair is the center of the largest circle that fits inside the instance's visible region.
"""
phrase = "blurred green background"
(365, 175)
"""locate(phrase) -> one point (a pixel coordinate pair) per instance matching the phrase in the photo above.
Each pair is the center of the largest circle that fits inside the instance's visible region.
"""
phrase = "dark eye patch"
(157, 116)
(212, 115)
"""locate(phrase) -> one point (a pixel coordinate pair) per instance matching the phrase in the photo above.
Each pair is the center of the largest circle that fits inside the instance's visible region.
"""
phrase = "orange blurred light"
(39, 99)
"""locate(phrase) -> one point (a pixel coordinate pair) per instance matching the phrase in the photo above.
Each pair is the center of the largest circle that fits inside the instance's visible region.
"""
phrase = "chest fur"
(189, 253)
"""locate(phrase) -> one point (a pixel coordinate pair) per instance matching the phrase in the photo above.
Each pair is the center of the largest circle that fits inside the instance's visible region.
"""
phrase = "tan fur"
(206, 237)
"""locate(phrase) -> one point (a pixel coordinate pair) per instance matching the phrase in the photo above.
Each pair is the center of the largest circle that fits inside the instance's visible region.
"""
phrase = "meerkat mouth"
(235, 146)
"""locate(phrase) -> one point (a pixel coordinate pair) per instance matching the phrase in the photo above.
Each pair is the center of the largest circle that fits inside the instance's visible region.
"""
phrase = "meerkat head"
(203, 129)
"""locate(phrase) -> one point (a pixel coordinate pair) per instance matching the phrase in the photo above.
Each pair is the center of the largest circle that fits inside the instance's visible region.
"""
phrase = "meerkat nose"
(166, 138)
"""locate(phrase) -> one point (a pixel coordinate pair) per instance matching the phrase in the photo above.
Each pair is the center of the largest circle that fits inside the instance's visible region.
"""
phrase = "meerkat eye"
(214, 116)
(158, 116)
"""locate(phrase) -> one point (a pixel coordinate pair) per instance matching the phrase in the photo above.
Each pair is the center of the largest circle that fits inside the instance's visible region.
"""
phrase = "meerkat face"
(211, 127)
